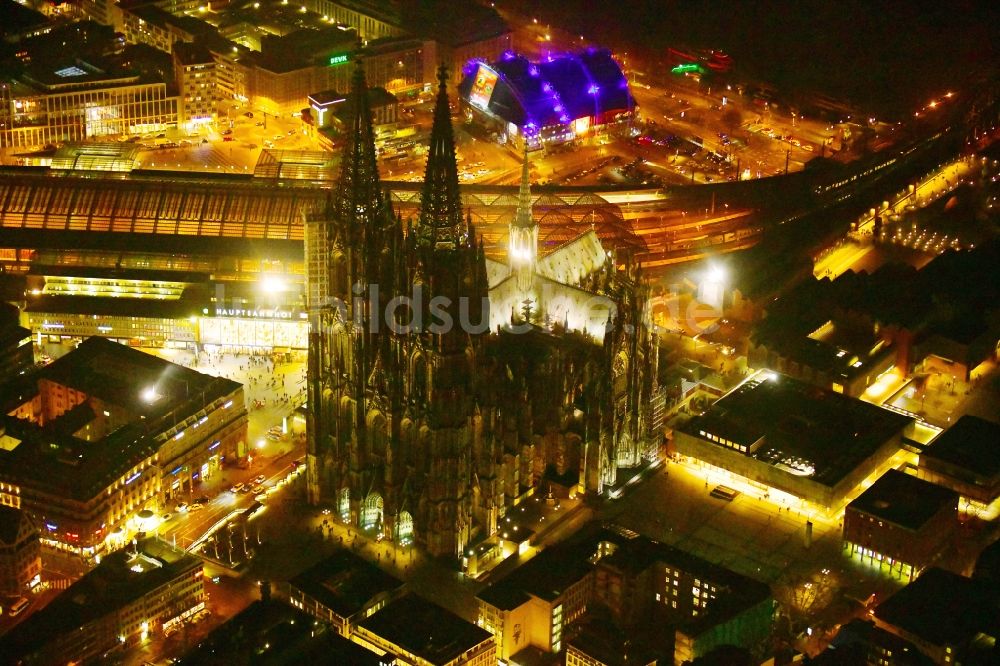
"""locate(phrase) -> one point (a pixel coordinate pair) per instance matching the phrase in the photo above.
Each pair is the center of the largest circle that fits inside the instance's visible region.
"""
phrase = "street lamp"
(149, 395)
(272, 284)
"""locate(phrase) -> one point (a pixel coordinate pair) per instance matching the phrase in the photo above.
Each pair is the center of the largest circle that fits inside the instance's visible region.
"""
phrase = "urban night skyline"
(494, 332)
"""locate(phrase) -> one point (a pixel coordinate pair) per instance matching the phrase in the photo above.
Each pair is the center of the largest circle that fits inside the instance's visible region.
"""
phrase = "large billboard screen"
(482, 88)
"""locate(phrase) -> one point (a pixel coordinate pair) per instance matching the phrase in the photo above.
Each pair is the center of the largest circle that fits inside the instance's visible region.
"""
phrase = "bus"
(724, 493)
(18, 606)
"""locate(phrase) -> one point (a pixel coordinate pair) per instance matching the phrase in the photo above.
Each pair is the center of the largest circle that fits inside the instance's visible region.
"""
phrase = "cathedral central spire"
(440, 204)
(522, 244)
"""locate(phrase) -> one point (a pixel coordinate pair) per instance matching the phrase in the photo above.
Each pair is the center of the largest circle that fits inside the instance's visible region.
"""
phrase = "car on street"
(196, 507)
(237, 488)
(201, 500)
(257, 490)
(183, 506)
(226, 132)
(259, 479)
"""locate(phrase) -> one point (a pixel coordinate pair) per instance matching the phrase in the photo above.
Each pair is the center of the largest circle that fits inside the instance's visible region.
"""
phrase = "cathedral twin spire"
(358, 201)
(441, 205)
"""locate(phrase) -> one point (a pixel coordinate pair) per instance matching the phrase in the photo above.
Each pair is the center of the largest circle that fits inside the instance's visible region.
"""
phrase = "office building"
(329, 109)
(107, 431)
(951, 619)
(901, 523)
(20, 552)
(644, 585)
(860, 643)
(598, 644)
(531, 607)
(418, 632)
(268, 631)
(198, 91)
(133, 594)
(793, 441)
(77, 83)
(16, 353)
(372, 20)
(966, 458)
(342, 590)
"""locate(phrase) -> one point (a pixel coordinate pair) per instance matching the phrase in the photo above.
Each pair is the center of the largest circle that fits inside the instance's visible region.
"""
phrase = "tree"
(732, 119)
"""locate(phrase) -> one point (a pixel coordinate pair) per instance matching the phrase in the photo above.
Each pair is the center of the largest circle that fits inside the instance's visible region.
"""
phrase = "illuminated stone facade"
(20, 552)
(134, 593)
(429, 432)
(107, 431)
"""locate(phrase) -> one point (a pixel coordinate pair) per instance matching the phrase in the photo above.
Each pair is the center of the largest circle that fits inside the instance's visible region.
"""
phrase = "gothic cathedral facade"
(427, 418)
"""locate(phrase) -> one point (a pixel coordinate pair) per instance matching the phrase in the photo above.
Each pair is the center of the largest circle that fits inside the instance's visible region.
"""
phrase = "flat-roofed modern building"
(20, 552)
(596, 645)
(268, 631)
(901, 523)
(132, 594)
(950, 618)
(837, 355)
(532, 606)
(343, 590)
(779, 435)
(16, 353)
(372, 20)
(329, 108)
(197, 84)
(107, 431)
(643, 583)
(80, 101)
(966, 458)
(421, 633)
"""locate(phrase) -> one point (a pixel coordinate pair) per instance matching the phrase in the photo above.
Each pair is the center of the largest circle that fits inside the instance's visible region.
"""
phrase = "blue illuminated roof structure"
(556, 91)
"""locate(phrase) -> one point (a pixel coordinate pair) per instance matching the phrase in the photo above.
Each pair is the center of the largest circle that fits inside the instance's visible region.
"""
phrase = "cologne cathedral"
(443, 387)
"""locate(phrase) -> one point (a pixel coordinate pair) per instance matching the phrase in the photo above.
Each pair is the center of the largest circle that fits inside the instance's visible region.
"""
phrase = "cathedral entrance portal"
(371, 513)
(344, 505)
(404, 528)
